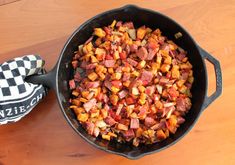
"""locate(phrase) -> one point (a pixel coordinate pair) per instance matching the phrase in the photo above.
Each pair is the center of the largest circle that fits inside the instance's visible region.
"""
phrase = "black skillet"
(58, 78)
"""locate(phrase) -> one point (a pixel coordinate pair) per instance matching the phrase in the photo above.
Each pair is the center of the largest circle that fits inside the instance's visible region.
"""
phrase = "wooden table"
(44, 137)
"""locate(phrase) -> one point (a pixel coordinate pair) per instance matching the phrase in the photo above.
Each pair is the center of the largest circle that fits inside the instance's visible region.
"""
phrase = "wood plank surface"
(44, 138)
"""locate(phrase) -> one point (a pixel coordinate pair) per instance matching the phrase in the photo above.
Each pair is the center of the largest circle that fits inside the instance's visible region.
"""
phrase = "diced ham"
(119, 23)
(108, 57)
(126, 76)
(106, 99)
(173, 93)
(83, 64)
(72, 84)
(149, 121)
(122, 94)
(90, 127)
(96, 131)
(129, 134)
(134, 123)
(180, 120)
(110, 121)
(188, 85)
(92, 84)
(181, 56)
(150, 90)
(129, 25)
(75, 64)
(184, 75)
(163, 80)
(108, 84)
(173, 53)
(107, 30)
(142, 53)
(146, 76)
(152, 45)
(128, 50)
(132, 62)
(109, 63)
(183, 104)
(90, 66)
(90, 104)
(133, 48)
(151, 54)
(77, 77)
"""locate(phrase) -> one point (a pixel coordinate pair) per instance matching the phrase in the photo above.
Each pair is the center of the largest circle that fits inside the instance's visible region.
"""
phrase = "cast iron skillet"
(58, 78)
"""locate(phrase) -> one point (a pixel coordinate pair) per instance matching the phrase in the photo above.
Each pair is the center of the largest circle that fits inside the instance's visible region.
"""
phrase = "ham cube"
(142, 53)
(134, 123)
(90, 104)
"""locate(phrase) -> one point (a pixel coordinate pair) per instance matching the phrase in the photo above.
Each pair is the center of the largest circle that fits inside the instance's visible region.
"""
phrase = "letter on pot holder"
(17, 97)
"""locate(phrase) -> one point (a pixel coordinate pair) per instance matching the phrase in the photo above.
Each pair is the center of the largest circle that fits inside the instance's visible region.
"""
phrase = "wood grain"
(43, 137)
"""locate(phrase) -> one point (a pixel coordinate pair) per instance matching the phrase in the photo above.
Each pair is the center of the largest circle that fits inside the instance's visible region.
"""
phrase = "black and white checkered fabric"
(17, 97)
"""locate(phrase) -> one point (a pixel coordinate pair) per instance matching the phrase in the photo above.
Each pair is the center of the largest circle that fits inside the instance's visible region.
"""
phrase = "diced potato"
(92, 76)
(126, 69)
(106, 137)
(159, 59)
(126, 83)
(113, 24)
(138, 132)
(110, 70)
(95, 113)
(76, 102)
(78, 110)
(112, 134)
(167, 60)
(183, 89)
(158, 104)
(104, 113)
(115, 89)
(100, 51)
(100, 123)
(99, 68)
(85, 94)
(119, 49)
(141, 64)
(99, 32)
(114, 99)
(116, 55)
(75, 93)
(141, 88)
(132, 33)
(94, 59)
(155, 68)
(142, 99)
(101, 75)
(165, 68)
(116, 76)
(175, 73)
(122, 127)
(135, 73)
(83, 117)
(180, 83)
(130, 109)
(135, 91)
(141, 32)
(83, 100)
(161, 135)
(191, 79)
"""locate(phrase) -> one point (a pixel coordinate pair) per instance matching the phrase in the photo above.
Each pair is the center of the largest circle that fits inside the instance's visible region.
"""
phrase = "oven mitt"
(17, 97)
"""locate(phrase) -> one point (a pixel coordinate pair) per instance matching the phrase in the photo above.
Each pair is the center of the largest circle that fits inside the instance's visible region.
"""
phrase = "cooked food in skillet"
(130, 84)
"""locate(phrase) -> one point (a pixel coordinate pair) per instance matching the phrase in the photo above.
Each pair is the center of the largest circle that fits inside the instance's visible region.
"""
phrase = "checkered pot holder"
(17, 97)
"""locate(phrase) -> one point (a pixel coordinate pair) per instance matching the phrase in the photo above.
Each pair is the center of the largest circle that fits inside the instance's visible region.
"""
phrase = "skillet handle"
(218, 75)
(47, 79)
